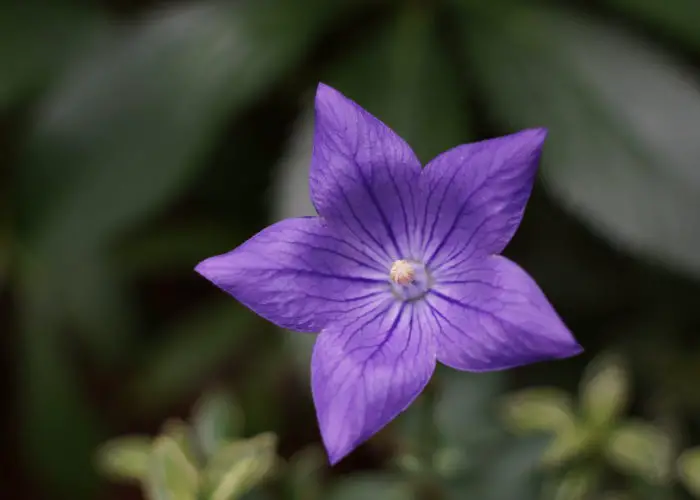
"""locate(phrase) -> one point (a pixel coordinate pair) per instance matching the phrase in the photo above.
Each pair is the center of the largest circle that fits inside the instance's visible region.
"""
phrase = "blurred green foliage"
(139, 137)
(206, 460)
(585, 442)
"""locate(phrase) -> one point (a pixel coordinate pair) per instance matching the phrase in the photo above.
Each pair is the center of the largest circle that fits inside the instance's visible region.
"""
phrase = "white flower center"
(402, 272)
(409, 280)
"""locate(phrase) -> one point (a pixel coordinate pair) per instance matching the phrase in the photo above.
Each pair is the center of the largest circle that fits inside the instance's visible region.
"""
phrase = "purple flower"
(399, 270)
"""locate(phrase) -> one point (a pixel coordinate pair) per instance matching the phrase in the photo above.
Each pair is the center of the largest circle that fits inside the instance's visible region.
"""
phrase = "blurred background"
(138, 137)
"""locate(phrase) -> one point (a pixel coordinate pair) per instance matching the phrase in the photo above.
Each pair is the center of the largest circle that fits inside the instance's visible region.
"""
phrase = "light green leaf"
(194, 346)
(125, 458)
(641, 449)
(37, 38)
(568, 443)
(241, 465)
(689, 470)
(677, 19)
(130, 123)
(548, 410)
(182, 434)
(171, 476)
(366, 486)
(621, 152)
(418, 94)
(577, 484)
(216, 419)
(539, 409)
(604, 391)
(449, 461)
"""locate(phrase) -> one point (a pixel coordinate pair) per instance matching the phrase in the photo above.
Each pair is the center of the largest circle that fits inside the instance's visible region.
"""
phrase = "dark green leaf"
(675, 18)
(403, 76)
(51, 396)
(621, 152)
(95, 303)
(169, 250)
(129, 124)
(617, 495)
(37, 39)
(193, 348)
(52, 401)
(258, 494)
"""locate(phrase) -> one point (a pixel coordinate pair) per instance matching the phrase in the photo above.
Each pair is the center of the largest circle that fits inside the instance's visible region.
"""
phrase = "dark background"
(140, 137)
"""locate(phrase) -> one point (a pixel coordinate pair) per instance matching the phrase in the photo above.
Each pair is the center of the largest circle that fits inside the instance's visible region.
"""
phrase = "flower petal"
(493, 316)
(475, 195)
(299, 274)
(363, 176)
(365, 372)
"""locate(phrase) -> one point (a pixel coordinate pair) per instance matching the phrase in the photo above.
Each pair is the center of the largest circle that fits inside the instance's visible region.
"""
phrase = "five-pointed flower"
(399, 270)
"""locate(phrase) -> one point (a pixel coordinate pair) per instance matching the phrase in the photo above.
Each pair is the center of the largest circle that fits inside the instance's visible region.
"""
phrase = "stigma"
(402, 272)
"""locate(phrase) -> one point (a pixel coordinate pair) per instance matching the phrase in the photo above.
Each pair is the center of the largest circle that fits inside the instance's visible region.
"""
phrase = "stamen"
(402, 272)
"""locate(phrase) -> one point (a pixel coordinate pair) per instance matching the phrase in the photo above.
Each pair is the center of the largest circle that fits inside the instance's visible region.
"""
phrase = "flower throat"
(409, 280)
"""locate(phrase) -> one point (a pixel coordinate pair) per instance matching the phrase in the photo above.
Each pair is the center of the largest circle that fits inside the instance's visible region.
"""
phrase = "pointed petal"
(298, 274)
(475, 195)
(493, 316)
(363, 175)
(366, 372)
